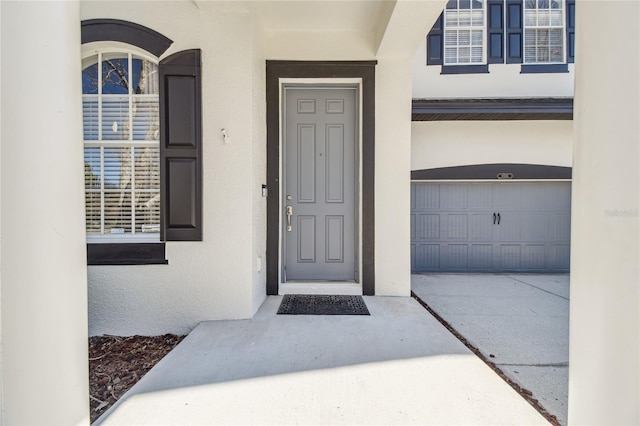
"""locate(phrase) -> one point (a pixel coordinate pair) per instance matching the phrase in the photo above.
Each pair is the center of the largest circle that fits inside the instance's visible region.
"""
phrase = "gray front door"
(319, 188)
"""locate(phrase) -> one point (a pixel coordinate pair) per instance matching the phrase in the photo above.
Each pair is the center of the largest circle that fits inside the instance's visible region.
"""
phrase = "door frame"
(279, 72)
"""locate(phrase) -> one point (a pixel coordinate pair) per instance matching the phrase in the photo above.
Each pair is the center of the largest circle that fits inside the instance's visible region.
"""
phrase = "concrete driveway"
(518, 321)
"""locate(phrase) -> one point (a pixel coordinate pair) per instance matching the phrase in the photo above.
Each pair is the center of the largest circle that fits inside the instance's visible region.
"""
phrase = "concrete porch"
(396, 366)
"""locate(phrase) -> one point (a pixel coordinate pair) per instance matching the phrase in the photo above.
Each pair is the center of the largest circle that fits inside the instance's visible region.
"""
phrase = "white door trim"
(322, 287)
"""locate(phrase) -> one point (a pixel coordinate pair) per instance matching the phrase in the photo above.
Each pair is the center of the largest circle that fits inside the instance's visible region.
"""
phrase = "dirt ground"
(117, 363)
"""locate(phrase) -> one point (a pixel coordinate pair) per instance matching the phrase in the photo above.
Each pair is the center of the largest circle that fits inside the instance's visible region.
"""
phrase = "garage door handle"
(494, 218)
(498, 218)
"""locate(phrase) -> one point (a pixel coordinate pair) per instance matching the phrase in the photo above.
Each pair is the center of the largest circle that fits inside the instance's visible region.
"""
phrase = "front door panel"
(319, 189)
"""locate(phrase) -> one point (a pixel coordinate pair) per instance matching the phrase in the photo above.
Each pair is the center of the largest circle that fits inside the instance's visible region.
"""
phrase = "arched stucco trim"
(491, 171)
(125, 32)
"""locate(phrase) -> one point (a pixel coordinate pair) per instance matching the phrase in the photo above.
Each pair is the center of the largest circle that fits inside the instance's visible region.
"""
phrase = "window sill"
(126, 254)
(543, 68)
(465, 69)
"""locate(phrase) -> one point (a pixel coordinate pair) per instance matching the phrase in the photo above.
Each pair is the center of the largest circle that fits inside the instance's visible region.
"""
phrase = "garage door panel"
(560, 257)
(427, 257)
(414, 188)
(456, 257)
(508, 228)
(414, 262)
(454, 198)
(559, 227)
(509, 257)
(427, 197)
(428, 226)
(534, 196)
(481, 257)
(480, 197)
(507, 196)
(535, 227)
(453, 227)
(481, 226)
(533, 257)
(413, 228)
(557, 197)
(457, 227)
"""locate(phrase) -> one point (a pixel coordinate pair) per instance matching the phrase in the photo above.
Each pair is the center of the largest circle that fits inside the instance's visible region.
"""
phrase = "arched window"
(121, 131)
(142, 141)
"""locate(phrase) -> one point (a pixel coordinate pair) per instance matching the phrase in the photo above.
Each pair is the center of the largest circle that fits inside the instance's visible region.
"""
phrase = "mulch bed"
(117, 363)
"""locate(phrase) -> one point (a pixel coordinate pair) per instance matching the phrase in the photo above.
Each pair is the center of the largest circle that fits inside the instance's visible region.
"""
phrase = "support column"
(393, 177)
(43, 273)
(604, 371)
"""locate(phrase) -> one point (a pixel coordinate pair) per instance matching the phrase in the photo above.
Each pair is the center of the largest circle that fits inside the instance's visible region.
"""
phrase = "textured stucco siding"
(459, 143)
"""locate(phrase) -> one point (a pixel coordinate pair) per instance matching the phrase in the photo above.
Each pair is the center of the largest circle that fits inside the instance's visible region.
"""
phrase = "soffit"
(323, 15)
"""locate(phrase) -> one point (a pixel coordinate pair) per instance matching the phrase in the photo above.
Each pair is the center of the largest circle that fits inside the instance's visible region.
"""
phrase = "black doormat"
(315, 304)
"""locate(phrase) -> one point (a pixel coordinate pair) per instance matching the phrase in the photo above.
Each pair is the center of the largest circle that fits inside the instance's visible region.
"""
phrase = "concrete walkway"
(397, 366)
(518, 321)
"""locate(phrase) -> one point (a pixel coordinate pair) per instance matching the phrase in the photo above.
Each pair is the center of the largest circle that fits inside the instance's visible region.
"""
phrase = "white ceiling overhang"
(370, 28)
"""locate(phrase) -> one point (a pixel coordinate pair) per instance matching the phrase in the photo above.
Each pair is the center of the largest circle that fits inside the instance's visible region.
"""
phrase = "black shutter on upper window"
(181, 147)
(571, 30)
(435, 40)
(495, 31)
(514, 32)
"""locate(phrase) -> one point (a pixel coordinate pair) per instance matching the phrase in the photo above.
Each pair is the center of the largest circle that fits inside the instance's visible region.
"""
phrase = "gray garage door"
(492, 227)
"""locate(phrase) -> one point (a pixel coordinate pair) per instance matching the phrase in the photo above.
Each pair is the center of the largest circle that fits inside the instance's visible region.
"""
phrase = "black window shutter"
(571, 30)
(435, 42)
(514, 32)
(495, 32)
(181, 147)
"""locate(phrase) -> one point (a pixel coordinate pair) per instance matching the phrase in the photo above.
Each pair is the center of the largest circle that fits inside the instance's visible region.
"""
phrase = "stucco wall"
(457, 143)
(216, 278)
(223, 277)
(393, 159)
(259, 166)
(604, 347)
(1, 344)
(502, 81)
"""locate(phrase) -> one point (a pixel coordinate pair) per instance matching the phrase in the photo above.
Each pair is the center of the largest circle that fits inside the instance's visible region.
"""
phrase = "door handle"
(494, 218)
(289, 214)
(498, 218)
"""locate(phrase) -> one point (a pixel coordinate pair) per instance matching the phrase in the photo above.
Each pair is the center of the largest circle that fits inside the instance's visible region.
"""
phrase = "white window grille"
(121, 146)
(544, 31)
(465, 32)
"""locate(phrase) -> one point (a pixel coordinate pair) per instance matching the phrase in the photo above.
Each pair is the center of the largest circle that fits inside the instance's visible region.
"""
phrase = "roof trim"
(492, 109)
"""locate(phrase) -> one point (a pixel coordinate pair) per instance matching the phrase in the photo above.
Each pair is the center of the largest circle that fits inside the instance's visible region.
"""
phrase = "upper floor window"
(464, 32)
(121, 146)
(470, 35)
(544, 31)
